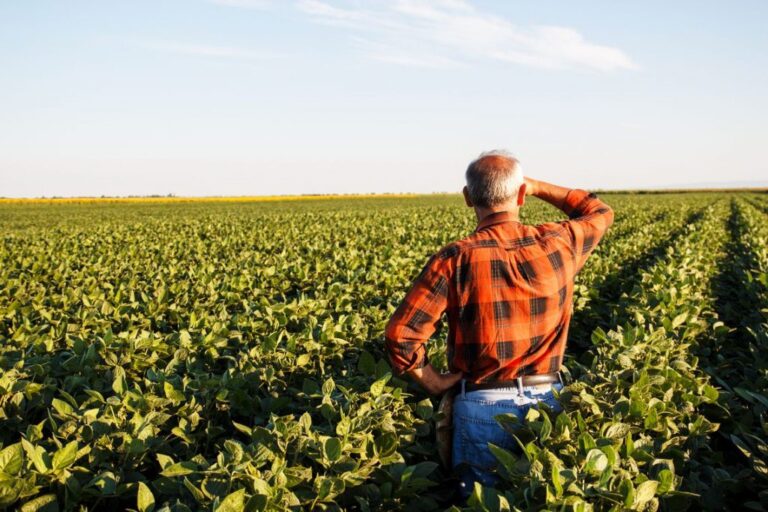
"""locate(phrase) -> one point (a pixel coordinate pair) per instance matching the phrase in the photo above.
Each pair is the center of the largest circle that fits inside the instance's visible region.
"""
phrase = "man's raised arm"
(589, 217)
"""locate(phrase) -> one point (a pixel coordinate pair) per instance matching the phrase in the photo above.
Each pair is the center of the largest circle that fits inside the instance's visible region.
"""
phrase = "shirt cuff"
(401, 364)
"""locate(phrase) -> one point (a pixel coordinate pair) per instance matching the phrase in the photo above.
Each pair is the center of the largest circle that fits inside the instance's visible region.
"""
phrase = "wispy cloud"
(442, 33)
(246, 4)
(202, 50)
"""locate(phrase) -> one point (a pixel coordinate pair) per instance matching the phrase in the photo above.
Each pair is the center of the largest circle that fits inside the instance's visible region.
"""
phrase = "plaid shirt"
(507, 291)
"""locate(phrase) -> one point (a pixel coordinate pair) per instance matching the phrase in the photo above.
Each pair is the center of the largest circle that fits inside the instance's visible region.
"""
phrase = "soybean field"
(229, 356)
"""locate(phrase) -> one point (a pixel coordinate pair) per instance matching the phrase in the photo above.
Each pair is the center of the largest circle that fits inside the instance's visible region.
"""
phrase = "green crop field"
(229, 356)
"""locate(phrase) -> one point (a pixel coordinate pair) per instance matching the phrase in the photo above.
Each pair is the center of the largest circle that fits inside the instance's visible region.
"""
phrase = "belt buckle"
(519, 385)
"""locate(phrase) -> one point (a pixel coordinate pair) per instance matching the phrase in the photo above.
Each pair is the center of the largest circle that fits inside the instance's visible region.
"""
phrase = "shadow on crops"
(733, 361)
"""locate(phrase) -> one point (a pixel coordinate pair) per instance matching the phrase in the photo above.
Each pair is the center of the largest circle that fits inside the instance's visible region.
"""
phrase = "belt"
(519, 382)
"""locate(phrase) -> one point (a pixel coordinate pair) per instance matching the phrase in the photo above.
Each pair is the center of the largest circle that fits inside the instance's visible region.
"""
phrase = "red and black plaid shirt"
(507, 290)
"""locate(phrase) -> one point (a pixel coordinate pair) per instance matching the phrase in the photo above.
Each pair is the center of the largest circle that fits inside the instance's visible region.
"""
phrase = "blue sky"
(253, 97)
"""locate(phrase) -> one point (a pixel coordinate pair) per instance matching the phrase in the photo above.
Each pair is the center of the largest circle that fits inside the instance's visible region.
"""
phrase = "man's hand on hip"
(433, 382)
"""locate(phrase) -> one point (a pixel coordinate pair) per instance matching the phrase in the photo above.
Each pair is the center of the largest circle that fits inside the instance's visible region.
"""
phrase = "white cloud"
(442, 33)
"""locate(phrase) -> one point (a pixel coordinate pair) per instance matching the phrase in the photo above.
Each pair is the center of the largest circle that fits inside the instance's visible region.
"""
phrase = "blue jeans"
(474, 427)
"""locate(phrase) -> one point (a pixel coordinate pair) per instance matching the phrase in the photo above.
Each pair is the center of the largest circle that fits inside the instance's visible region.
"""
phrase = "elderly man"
(507, 292)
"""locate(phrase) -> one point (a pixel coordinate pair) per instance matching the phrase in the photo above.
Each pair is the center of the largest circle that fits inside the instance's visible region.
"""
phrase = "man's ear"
(467, 200)
(521, 195)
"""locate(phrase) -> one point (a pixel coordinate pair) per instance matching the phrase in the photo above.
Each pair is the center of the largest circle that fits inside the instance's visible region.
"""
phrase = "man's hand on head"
(530, 186)
(433, 382)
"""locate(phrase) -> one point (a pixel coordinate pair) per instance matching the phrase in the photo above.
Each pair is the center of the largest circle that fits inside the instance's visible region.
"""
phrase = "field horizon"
(157, 198)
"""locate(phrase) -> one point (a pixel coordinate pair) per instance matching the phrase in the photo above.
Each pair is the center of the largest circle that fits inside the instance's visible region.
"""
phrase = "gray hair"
(493, 178)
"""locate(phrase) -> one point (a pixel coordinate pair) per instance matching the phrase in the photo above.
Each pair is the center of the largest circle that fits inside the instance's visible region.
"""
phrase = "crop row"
(615, 265)
(738, 361)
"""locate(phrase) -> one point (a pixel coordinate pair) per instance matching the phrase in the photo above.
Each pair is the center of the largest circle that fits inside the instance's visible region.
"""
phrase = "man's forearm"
(433, 382)
(553, 194)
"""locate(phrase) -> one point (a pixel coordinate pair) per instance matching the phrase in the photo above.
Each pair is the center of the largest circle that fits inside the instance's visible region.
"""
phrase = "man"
(507, 291)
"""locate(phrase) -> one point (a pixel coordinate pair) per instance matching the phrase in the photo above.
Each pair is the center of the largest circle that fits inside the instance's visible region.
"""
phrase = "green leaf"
(382, 368)
(596, 461)
(44, 503)
(610, 452)
(679, 320)
(627, 491)
(377, 388)
(105, 482)
(332, 449)
(328, 386)
(629, 445)
(12, 459)
(235, 449)
(66, 456)
(598, 337)
(261, 486)
(505, 457)
(62, 407)
(386, 444)
(666, 481)
(234, 502)
(617, 430)
(476, 500)
(119, 385)
(557, 480)
(185, 339)
(172, 393)
(424, 469)
(145, 500)
(343, 427)
(180, 469)
(424, 409)
(37, 455)
(586, 442)
(646, 491)
(327, 488)
(242, 428)
(487, 499)
(546, 428)
(366, 364)
(164, 460)
(305, 420)
(194, 491)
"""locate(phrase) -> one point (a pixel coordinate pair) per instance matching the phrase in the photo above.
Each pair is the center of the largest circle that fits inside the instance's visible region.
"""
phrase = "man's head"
(495, 182)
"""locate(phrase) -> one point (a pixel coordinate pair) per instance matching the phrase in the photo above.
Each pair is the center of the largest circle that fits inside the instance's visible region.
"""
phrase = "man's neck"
(482, 213)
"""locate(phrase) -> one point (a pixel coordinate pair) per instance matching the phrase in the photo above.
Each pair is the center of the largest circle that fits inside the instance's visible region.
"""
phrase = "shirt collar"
(495, 218)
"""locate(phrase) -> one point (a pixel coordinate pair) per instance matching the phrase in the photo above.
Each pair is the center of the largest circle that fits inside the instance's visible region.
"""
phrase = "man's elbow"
(391, 333)
(607, 214)
(609, 217)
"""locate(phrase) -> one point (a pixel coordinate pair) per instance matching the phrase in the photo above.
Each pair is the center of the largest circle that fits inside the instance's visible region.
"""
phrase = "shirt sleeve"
(415, 319)
(590, 218)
